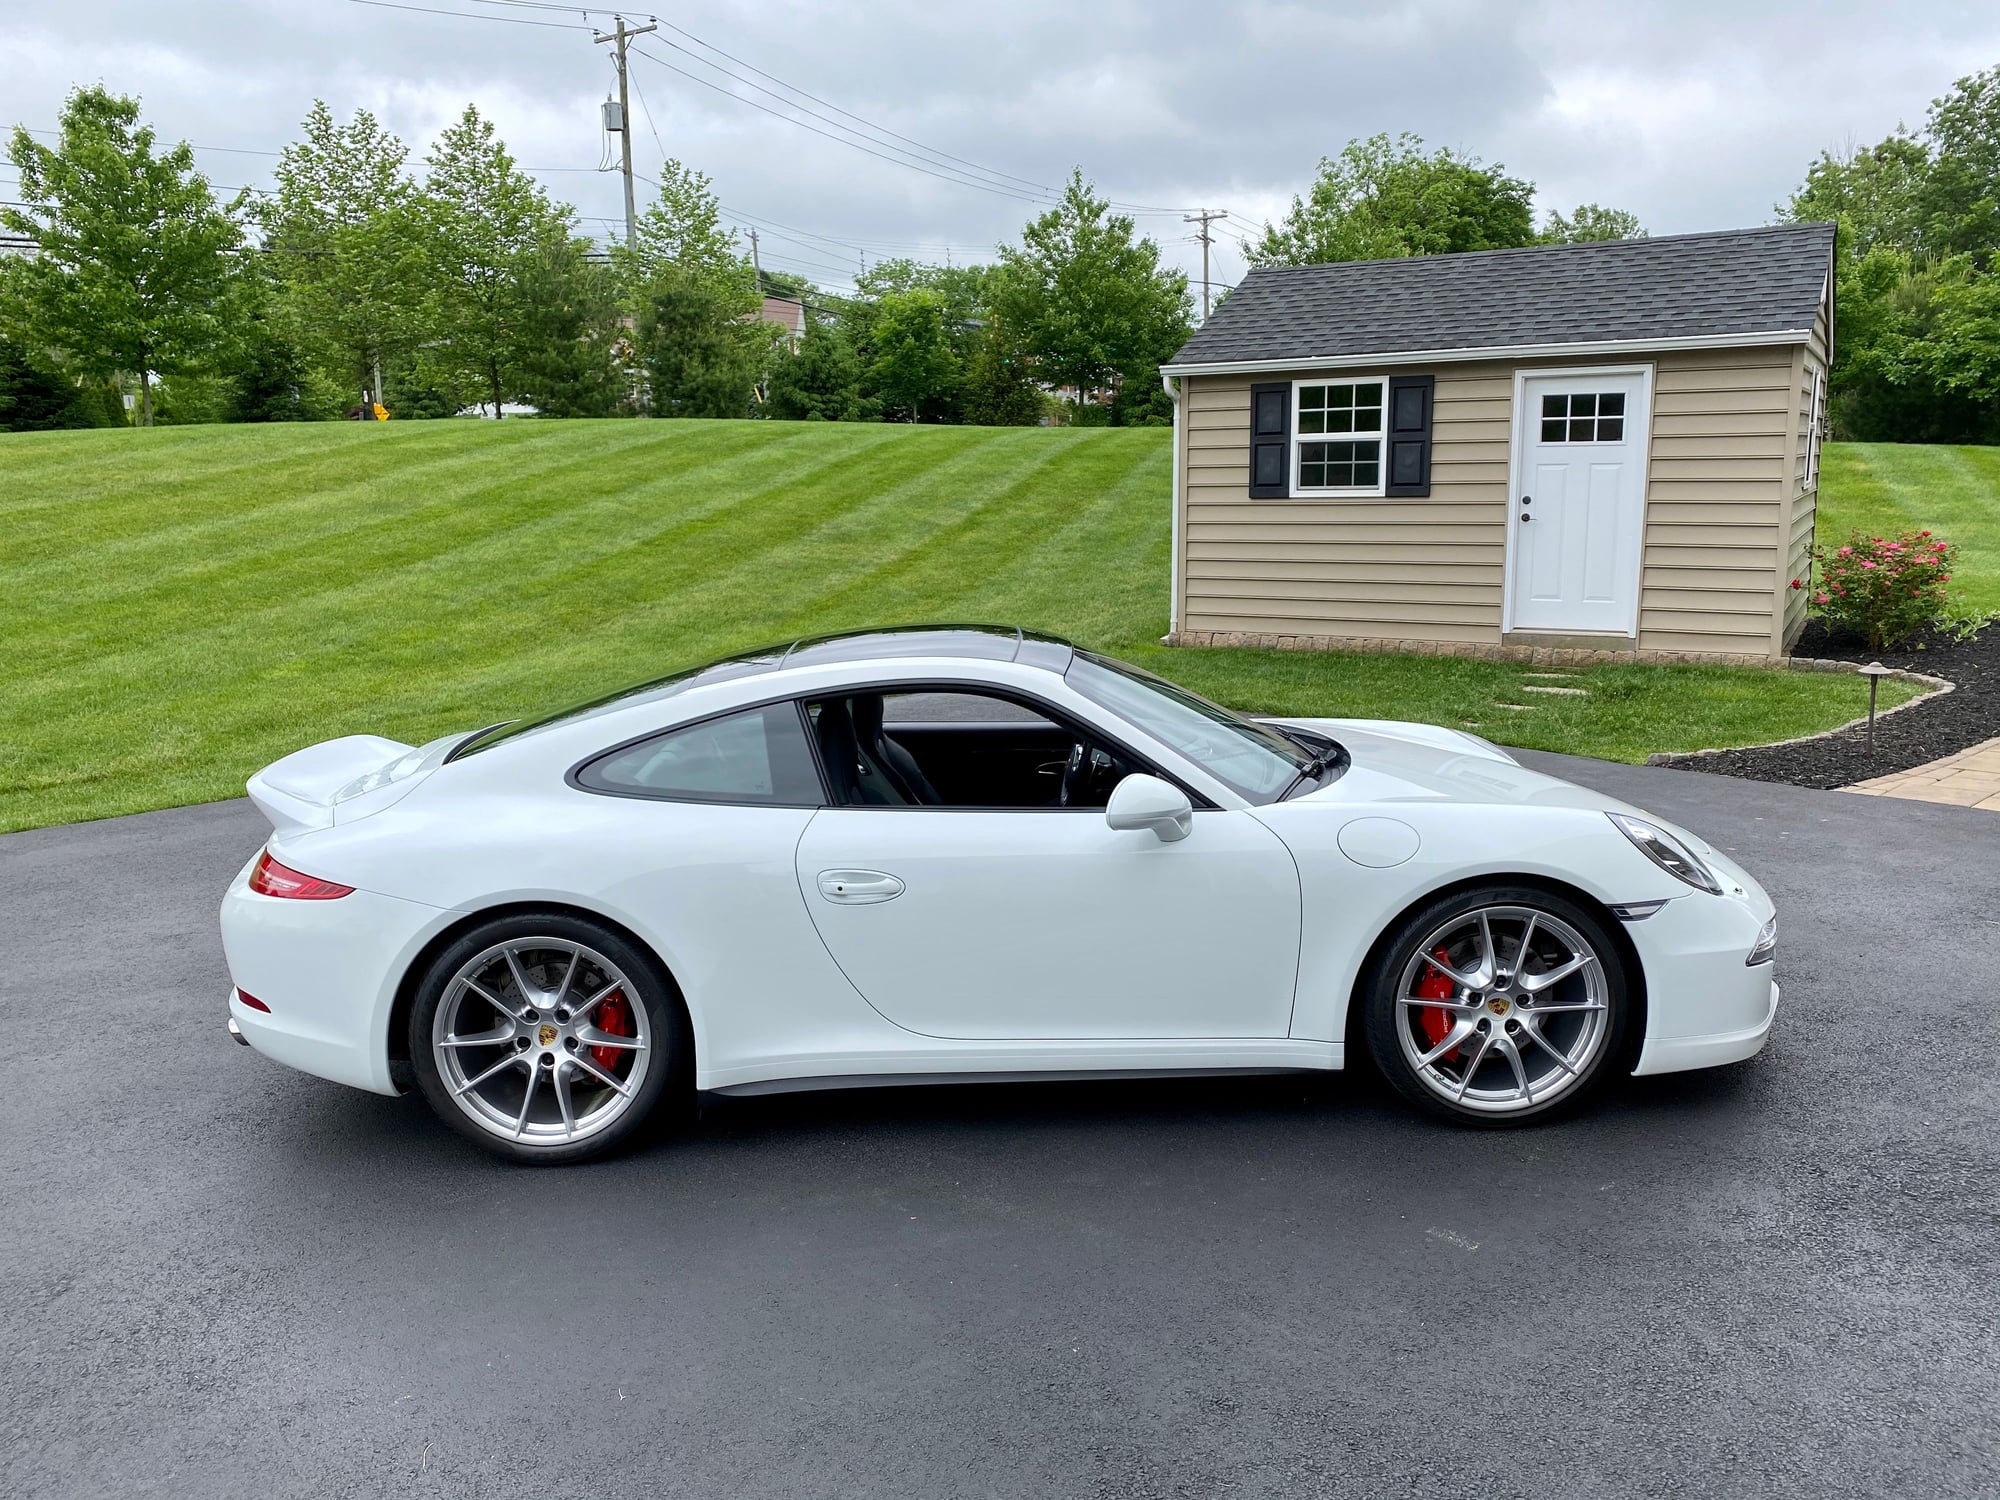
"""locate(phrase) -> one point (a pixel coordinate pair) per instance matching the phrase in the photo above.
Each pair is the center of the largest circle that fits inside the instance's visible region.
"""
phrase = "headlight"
(1668, 852)
(1767, 944)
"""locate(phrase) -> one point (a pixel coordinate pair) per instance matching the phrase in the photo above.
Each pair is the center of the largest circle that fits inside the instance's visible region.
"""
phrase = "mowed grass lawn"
(1882, 488)
(181, 606)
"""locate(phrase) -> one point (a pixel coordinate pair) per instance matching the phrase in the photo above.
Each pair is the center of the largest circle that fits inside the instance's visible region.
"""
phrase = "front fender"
(1347, 905)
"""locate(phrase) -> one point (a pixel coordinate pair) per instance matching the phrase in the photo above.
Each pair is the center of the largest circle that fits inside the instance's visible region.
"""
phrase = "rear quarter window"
(759, 756)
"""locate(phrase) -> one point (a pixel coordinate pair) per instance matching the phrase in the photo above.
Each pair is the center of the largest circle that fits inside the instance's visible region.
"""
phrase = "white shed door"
(1578, 520)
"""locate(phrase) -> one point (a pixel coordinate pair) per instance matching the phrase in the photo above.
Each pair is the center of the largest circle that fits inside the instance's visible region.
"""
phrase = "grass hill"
(182, 605)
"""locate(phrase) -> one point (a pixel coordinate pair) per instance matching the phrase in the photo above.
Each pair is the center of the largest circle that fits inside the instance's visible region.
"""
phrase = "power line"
(647, 109)
(879, 130)
(966, 172)
(925, 154)
(855, 145)
(940, 157)
(471, 15)
(856, 243)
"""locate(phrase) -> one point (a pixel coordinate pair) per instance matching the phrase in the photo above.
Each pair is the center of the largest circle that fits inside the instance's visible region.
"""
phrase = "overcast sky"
(1697, 114)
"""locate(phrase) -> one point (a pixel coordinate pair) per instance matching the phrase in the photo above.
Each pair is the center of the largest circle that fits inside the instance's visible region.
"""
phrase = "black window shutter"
(1409, 434)
(1271, 440)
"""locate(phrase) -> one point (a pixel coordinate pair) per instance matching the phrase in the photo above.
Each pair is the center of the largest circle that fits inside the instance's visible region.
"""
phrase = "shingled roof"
(1685, 287)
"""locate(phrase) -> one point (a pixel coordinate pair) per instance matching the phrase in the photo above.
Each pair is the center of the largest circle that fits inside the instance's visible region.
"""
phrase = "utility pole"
(1206, 217)
(756, 266)
(619, 38)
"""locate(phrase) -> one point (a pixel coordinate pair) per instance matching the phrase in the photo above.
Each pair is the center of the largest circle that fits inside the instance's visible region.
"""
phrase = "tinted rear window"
(757, 756)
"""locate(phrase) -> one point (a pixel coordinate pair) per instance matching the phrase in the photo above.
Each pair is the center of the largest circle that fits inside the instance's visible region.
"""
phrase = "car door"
(1009, 924)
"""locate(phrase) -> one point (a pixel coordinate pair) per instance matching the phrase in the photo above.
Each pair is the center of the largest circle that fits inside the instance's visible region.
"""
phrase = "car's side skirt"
(990, 1062)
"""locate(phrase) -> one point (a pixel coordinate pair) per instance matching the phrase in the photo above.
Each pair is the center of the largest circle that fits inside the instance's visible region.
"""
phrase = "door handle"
(858, 887)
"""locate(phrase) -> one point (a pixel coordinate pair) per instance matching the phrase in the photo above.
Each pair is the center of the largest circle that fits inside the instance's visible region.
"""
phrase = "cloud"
(1695, 114)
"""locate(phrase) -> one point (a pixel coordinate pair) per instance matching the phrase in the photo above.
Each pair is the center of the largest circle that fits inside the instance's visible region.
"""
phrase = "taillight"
(252, 1001)
(273, 879)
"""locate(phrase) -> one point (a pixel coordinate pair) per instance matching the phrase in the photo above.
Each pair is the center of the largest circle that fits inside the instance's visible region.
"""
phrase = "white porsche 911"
(962, 852)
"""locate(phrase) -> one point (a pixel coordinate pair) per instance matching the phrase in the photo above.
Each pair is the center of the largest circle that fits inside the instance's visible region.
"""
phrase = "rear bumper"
(329, 971)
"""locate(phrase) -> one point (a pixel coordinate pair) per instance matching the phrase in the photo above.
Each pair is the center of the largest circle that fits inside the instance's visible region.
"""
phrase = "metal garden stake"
(1874, 672)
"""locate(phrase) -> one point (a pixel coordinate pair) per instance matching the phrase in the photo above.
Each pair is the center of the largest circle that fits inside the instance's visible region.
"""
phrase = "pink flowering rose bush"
(1885, 589)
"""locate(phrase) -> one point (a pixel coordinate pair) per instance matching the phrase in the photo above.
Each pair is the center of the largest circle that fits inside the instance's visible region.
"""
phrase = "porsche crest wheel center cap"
(1499, 1005)
(546, 1036)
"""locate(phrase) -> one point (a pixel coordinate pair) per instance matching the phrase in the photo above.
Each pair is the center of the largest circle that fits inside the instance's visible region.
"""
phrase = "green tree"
(1087, 299)
(701, 355)
(132, 250)
(915, 369)
(821, 382)
(1961, 196)
(682, 231)
(1592, 222)
(570, 332)
(1875, 194)
(348, 245)
(1000, 389)
(1914, 273)
(1387, 197)
(489, 225)
(37, 398)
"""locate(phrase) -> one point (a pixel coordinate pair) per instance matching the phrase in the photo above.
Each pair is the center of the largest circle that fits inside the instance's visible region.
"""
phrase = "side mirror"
(1148, 802)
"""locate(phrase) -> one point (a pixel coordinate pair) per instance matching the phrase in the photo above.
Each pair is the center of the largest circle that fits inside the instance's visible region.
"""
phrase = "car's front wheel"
(1497, 1005)
(546, 1038)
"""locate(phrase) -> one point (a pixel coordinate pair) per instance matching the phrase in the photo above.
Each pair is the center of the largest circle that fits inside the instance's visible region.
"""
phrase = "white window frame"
(1300, 491)
(1816, 428)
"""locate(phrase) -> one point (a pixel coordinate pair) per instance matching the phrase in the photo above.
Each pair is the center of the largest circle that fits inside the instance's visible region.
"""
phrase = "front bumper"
(1681, 1053)
(1705, 1005)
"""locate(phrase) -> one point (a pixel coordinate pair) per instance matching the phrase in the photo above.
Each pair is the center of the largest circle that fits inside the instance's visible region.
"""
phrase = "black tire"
(1385, 1016)
(659, 1098)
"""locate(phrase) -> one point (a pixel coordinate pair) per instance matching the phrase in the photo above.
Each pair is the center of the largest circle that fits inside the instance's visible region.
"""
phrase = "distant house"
(1604, 447)
(789, 313)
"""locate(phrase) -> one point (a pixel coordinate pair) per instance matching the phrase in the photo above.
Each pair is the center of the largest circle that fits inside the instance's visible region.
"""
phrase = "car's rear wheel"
(546, 1038)
(1498, 1005)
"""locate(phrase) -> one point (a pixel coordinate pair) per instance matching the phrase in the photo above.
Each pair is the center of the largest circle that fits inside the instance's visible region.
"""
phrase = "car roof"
(985, 642)
(996, 643)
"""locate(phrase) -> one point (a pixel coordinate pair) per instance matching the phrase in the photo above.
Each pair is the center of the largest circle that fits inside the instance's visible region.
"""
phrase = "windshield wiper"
(1328, 759)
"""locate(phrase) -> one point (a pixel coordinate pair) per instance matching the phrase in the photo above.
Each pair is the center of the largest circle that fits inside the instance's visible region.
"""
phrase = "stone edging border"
(1938, 686)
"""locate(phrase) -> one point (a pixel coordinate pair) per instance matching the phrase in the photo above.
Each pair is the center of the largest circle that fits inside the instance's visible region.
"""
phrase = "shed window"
(1815, 430)
(1584, 417)
(1337, 438)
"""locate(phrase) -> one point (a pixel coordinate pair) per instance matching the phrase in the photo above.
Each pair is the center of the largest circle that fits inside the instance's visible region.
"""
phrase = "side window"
(959, 748)
(758, 756)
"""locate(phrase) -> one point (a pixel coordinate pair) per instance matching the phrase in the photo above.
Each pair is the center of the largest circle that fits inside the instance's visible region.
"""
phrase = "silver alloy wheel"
(1503, 1009)
(520, 1048)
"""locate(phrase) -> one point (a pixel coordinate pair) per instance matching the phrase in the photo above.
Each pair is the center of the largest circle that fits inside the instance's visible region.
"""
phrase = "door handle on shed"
(858, 887)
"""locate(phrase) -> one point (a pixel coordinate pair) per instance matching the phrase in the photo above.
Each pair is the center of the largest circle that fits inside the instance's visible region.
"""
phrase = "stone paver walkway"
(1970, 778)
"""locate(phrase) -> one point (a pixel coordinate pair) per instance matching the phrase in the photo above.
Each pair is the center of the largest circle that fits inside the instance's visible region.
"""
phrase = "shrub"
(1885, 589)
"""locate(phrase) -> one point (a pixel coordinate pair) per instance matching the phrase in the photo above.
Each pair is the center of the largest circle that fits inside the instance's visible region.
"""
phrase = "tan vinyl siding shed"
(1606, 448)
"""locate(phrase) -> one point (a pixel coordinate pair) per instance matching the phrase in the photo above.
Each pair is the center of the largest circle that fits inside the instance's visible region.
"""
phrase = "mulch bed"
(1937, 726)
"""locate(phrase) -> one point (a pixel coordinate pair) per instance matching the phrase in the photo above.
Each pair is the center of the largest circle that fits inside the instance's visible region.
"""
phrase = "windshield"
(1251, 759)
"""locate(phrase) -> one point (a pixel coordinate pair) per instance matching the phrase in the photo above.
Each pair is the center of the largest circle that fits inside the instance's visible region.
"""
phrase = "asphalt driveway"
(220, 1278)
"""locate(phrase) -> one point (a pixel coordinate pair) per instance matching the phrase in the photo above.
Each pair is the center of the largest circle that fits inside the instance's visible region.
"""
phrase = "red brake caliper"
(614, 1017)
(1435, 986)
